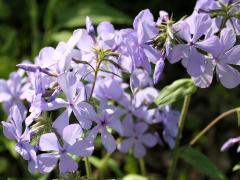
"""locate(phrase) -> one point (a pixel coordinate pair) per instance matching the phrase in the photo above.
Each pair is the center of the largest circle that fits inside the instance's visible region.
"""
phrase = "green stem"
(87, 164)
(142, 167)
(213, 123)
(104, 165)
(88, 168)
(33, 13)
(95, 79)
(177, 144)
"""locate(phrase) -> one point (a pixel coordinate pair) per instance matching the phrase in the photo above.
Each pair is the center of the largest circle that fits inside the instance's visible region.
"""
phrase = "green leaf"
(238, 118)
(60, 36)
(134, 177)
(115, 167)
(4, 10)
(200, 162)
(96, 162)
(98, 11)
(175, 91)
(106, 162)
(236, 167)
(131, 165)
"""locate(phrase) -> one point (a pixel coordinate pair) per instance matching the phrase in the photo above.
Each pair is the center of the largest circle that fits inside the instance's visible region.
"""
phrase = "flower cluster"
(101, 81)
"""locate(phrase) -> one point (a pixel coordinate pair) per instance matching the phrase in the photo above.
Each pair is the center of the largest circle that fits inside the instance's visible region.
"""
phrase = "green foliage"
(175, 91)
(104, 163)
(134, 177)
(236, 167)
(238, 118)
(131, 165)
(97, 10)
(200, 162)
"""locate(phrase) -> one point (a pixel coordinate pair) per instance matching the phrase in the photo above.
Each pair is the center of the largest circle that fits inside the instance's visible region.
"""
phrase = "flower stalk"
(177, 145)
(142, 167)
(213, 123)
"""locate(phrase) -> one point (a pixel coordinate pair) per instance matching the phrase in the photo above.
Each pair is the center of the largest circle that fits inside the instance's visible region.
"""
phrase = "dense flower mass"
(102, 82)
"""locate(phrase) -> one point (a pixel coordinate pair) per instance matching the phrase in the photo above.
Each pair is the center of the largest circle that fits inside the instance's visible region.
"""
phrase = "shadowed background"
(28, 25)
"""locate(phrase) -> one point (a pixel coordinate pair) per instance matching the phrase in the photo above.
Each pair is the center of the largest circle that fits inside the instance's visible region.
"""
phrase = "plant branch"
(213, 123)
(177, 144)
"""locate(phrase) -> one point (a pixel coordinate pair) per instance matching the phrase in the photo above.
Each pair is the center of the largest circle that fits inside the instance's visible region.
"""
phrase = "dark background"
(28, 25)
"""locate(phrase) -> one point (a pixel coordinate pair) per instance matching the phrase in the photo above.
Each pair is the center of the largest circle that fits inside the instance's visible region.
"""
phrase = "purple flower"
(232, 6)
(139, 79)
(12, 129)
(191, 30)
(109, 88)
(106, 118)
(12, 93)
(49, 142)
(145, 96)
(159, 67)
(163, 17)
(168, 120)
(222, 60)
(89, 27)
(135, 50)
(68, 83)
(58, 60)
(231, 142)
(136, 137)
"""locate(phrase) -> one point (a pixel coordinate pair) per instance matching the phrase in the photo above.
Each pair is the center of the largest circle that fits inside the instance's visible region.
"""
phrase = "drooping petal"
(71, 133)
(62, 121)
(125, 145)
(108, 141)
(159, 67)
(67, 164)
(229, 76)
(47, 162)
(148, 140)
(229, 143)
(49, 142)
(139, 150)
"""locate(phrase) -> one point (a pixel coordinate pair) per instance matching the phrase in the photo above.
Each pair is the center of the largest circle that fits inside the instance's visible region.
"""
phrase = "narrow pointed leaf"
(200, 162)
